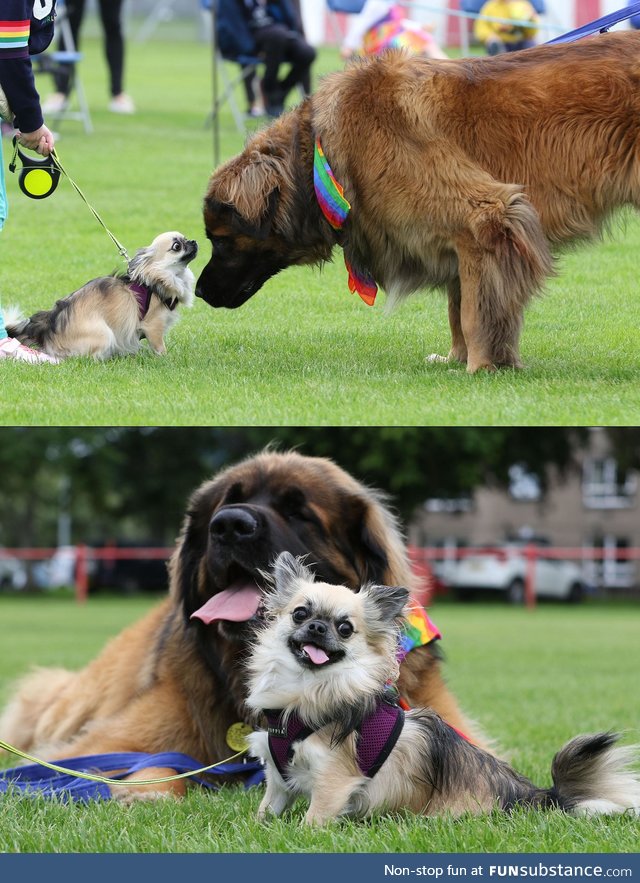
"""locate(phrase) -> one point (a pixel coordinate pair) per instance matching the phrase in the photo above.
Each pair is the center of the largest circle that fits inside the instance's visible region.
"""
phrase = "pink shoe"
(10, 348)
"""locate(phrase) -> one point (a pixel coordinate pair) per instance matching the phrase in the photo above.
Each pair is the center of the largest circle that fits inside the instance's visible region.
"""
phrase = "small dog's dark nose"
(232, 524)
(317, 628)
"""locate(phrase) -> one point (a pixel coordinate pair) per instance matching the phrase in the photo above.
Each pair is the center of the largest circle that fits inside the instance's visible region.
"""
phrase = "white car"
(504, 569)
(13, 573)
(57, 571)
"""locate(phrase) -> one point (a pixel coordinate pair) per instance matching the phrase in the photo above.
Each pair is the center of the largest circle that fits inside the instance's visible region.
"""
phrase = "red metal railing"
(422, 560)
(531, 553)
(82, 555)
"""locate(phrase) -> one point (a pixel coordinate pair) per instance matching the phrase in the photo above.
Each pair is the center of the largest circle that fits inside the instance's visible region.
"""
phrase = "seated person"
(498, 37)
(381, 25)
(272, 30)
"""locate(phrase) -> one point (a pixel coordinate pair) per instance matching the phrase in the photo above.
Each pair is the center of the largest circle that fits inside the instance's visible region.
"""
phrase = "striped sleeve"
(16, 75)
(26, 28)
(14, 38)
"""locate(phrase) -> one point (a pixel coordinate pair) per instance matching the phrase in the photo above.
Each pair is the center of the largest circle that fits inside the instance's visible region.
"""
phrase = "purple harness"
(143, 296)
(377, 736)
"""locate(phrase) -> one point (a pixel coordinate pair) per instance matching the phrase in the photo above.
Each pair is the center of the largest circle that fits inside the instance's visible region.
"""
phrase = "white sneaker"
(10, 348)
(55, 103)
(122, 103)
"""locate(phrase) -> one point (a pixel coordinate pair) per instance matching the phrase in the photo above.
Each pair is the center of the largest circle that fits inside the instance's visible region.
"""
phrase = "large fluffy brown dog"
(173, 683)
(461, 174)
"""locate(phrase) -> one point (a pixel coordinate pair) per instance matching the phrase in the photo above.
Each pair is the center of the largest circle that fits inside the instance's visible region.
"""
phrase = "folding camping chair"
(161, 11)
(247, 64)
(52, 62)
(349, 6)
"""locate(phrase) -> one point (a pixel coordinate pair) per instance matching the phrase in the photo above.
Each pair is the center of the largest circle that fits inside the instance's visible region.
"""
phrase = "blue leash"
(33, 779)
(600, 25)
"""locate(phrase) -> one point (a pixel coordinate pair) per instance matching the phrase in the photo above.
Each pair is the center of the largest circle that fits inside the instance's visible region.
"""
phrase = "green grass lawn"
(532, 679)
(303, 351)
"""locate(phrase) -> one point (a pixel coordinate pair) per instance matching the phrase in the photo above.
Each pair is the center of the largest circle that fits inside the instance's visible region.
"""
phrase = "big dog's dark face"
(238, 524)
(261, 213)
(243, 256)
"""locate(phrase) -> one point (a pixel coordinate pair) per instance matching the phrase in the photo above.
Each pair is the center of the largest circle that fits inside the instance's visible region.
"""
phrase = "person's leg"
(301, 56)
(63, 78)
(111, 16)
(495, 46)
(110, 11)
(307, 55)
(254, 106)
(271, 42)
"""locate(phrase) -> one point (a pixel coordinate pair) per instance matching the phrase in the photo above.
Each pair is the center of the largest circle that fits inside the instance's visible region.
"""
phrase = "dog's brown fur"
(103, 317)
(170, 683)
(462, 174)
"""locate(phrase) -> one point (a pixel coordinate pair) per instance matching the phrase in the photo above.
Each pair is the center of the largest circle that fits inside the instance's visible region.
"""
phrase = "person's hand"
(42, 140)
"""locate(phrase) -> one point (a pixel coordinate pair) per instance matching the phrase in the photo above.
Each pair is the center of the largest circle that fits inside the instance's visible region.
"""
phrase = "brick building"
(595, 505)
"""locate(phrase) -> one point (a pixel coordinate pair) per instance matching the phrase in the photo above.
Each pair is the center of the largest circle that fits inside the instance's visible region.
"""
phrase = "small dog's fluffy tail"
(34, 331)
(15, 322)
(592, 775)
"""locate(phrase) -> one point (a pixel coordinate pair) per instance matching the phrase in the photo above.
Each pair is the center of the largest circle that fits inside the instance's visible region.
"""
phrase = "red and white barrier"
(422, 560)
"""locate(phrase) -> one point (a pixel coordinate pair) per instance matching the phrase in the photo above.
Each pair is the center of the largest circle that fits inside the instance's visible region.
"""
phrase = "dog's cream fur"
(102, 319)
(431, 769)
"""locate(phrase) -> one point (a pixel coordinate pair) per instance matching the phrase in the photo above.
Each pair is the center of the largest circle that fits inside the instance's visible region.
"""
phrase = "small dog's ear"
(388, 601)
(288, 571)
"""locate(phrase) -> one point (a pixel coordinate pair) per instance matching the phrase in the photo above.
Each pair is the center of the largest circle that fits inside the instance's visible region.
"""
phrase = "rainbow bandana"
(417, 630)
(335, 207)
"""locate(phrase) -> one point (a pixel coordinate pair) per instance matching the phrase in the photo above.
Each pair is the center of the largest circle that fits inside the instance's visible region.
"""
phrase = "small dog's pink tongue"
(238, 603)
(315, 654)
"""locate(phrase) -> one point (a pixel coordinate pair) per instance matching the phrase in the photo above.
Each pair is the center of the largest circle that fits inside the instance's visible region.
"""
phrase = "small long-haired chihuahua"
(320, 674)
(111, 314)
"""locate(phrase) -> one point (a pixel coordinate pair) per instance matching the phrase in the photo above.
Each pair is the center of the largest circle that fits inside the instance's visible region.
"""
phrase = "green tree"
(134, 482)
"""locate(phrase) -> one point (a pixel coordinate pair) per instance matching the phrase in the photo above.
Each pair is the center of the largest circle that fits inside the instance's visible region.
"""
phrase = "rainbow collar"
(335, 207)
